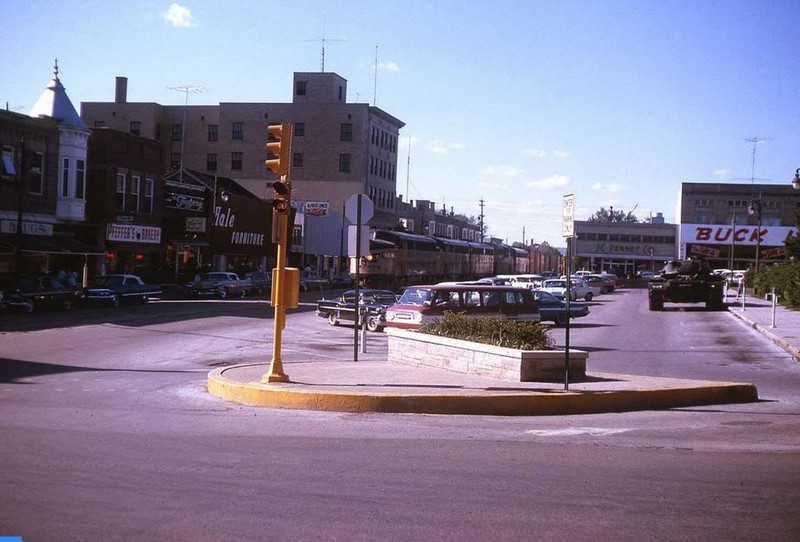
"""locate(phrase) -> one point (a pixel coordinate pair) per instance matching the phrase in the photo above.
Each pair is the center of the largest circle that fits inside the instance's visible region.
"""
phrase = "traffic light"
(278, 143)
(283, 195)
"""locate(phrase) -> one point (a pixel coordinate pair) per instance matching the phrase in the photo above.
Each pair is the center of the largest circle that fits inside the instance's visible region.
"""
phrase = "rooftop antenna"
(755, 141)
(408, 169)
(323, 40)
(185, 89)
(375, 85)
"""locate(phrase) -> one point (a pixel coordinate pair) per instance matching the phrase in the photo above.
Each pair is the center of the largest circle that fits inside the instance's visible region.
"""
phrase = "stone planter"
(421, 350)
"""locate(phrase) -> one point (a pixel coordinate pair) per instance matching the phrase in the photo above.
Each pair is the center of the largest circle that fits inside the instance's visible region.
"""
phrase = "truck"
(221, 284)
(686, 281)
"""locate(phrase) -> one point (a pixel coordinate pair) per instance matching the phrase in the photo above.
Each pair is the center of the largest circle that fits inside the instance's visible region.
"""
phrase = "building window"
(177, 132)
(80, 179)
(236, 161)
(346, 131)
(134, 201)
(65, 178)
(300, 88)
(36, 173)
(120, 197)
(147, 207)
(136, 127)
(99, 124)
(211, 162)
(344, 163)
(237, 130)
(299, 129)
(213, 132)
(297, 159)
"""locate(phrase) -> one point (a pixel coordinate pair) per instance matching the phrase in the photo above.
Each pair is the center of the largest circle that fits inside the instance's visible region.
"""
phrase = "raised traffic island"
(422, 350)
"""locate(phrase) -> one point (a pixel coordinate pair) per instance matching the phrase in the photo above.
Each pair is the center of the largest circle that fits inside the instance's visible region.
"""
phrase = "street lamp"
(796, 179)
(755, 209)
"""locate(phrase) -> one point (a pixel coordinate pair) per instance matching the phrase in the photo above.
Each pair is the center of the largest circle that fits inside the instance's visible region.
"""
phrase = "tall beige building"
(338, 148)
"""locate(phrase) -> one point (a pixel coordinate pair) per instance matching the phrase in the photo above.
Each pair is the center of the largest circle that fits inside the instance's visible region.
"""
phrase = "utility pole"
(480, 220)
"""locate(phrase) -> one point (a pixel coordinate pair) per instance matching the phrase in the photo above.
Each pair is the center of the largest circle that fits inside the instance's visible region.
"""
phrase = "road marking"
(572, 431)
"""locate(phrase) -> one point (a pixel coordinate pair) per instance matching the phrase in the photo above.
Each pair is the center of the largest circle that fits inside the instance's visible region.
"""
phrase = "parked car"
(31, 293)
(578, 289)
(260, 282)
(115, 289)
(606, 283)
(420, 304)
(553, 309)
(529, 281)
(222, 284)
(371, 302)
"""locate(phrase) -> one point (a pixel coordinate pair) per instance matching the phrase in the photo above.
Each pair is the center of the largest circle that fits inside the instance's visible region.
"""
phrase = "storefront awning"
(34, 244)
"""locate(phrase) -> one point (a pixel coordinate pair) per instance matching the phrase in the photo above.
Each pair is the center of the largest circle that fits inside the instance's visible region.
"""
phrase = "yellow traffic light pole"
(279, 147)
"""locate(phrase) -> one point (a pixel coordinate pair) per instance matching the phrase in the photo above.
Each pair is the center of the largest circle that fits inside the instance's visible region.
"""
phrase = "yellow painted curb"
(298, 396)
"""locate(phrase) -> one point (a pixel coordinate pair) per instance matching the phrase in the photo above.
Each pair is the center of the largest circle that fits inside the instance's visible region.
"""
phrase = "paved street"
(108, 434)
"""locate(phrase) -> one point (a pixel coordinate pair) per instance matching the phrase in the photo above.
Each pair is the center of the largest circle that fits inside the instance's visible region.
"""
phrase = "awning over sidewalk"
(57, 244)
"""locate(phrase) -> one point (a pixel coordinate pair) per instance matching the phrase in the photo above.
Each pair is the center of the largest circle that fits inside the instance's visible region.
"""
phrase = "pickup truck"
(221, 284)
(115, 289)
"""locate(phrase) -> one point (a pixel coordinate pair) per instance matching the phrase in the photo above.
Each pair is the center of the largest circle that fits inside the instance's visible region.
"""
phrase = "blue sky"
(514, 102)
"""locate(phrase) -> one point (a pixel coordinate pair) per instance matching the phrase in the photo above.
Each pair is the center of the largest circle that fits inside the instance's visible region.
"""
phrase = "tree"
(793, 243)
(610, 215)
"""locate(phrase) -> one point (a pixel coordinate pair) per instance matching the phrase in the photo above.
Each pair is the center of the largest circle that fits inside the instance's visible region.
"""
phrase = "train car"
(481, 259)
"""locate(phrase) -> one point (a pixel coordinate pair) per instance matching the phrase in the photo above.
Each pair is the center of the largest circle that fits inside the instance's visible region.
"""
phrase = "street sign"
(351, 208)
(568, 216)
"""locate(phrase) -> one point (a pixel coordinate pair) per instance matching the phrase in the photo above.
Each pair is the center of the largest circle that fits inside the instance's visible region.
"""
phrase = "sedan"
(114, 289)
(372, 304)
(553, 309)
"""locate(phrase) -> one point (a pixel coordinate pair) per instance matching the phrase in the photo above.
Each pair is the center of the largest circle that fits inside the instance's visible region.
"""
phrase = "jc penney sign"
(726, 234)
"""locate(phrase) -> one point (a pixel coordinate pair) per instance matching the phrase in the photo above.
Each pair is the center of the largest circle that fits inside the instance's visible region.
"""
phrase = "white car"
(578, 289)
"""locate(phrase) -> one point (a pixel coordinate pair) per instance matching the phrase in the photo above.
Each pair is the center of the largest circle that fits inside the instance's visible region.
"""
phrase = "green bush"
(493, 331)
(784, 278)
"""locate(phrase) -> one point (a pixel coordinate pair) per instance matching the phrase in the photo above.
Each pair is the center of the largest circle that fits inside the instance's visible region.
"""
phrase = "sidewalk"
(782, 325)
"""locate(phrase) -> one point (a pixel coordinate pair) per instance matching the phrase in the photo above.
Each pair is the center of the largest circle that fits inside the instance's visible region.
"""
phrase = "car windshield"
(545, 296)
(415, 296)
(555, 284)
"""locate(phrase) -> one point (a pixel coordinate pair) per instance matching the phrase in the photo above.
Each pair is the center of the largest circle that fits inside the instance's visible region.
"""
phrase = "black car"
(31, 293)
(372, 303)
(555, 310)
(114, 289)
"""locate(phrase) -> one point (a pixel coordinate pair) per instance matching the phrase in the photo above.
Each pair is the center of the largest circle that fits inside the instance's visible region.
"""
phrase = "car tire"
(332, 319)
(243, 294)
(144, 299)
(115, 301)
(222, 292)
(561, 319)
(373, 323)
(588, 296)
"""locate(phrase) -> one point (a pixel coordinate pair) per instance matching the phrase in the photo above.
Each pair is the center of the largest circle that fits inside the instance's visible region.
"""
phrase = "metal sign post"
(568, 231)
(358, 208)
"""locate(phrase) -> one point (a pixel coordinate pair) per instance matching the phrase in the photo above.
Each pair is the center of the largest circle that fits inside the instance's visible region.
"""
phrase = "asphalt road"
(106, 433)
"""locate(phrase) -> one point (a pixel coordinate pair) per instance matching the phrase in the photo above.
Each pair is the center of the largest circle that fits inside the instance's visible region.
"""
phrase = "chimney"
(121, 93)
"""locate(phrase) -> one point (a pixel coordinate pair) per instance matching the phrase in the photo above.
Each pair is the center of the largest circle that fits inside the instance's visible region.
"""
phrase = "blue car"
(553, 309)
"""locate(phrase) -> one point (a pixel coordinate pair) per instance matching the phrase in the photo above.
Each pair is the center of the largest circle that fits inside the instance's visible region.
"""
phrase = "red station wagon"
(420, 304)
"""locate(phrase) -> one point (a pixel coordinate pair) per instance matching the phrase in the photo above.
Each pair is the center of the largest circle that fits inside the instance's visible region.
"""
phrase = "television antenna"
(323, 39)
(187, 89)
(755, 141)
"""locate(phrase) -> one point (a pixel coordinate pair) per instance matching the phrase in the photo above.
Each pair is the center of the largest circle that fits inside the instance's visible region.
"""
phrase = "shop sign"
(232, 231)
(626, 248)
(195, 224)
(28, 228)
(184, 202)
(316, 208)
(133, 233)
(774, 253)
(726, 234)
(703, 250)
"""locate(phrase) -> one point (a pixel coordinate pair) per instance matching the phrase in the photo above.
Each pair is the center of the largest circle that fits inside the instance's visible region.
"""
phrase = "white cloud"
(437, 146)
(178, 15)
(503, 171)
(611, 188)
(539, 153)
(550, 182)
(721, 173)
(388, 67)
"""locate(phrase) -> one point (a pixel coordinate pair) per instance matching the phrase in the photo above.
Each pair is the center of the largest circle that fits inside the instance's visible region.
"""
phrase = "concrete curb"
(675, 393)
(790, 348)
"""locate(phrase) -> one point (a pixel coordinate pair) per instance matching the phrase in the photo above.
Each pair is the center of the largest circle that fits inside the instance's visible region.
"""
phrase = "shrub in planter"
(493, 331)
